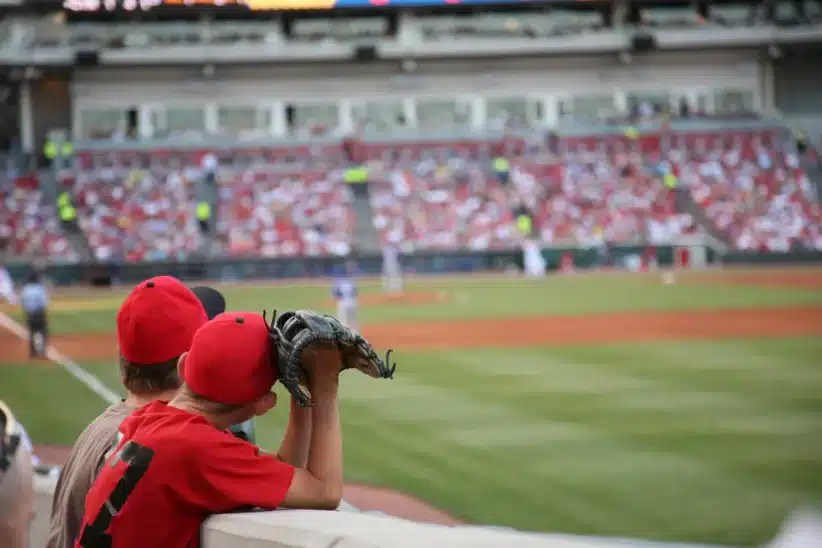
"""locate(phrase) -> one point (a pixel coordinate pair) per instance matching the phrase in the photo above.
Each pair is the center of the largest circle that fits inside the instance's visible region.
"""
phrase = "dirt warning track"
(536, 331)
(601, 328)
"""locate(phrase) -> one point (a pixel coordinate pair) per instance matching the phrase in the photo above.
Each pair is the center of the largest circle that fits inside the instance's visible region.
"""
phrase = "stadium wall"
(441, 262)
(371, 264)
(348, 529)
(430, 263)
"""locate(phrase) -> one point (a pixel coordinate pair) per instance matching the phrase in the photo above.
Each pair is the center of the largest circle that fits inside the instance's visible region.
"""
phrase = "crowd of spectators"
(440, 204)
(28, 222)
(757, 196)
(269, 212)
(145, 206)
(130, 214)
(590, 192)
(587, 198)
(606, 198)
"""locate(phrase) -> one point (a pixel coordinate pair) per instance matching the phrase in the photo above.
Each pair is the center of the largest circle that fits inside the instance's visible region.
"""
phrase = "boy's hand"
(336, 347)
(322, 365)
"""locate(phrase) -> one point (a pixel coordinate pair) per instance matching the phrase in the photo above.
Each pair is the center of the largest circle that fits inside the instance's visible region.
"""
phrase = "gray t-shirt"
(82, 467)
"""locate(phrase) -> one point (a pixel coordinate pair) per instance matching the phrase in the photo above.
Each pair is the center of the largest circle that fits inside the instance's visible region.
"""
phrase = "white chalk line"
(93, 383)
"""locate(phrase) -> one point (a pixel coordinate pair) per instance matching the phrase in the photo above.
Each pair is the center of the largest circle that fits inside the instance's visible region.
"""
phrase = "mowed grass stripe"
(467, 482)
(698, 445)
(421, 456)
(50, 403)
(639, 412)
(664, 414)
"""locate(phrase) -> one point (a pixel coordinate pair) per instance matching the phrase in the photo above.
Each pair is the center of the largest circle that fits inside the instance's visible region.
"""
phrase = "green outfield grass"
(708, 441)
(711, 441)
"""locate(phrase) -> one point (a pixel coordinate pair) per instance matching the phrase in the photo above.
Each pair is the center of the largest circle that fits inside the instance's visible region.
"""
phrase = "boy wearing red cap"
(176, 464)
(155, 325)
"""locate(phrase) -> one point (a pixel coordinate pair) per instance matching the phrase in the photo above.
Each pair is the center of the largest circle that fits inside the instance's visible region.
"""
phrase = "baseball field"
(607, 404)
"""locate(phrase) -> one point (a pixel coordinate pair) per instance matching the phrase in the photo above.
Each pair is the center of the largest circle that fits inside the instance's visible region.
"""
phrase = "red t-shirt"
(171, 470)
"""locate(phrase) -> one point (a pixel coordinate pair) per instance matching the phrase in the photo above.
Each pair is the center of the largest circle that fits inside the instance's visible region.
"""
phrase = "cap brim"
(211, 299)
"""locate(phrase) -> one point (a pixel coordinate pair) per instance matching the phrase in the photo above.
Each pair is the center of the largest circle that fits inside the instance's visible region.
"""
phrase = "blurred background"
(596, 223)
(598, 122)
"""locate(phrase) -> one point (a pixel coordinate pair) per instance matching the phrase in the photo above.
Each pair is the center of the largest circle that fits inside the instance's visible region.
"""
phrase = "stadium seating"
(587, 197)
(270, 212)
(607, 197)
(754, 193)
(136, 214)
(451, 205)
(444, 195)
(28, 225)
(270, 202)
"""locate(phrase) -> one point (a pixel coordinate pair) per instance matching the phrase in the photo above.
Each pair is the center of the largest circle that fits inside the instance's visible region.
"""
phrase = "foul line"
(93, 383)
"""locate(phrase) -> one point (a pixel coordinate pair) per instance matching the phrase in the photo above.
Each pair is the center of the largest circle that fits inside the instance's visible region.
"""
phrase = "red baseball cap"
(157, 321)
(230, 360)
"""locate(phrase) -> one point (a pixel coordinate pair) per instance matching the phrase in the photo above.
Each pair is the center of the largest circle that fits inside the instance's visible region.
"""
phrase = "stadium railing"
(444, 136)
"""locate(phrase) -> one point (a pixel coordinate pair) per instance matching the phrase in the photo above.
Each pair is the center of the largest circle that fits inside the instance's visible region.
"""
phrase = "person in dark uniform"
(34, 299)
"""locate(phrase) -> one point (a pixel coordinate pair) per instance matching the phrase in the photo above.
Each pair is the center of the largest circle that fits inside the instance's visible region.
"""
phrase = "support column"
(211, 119)
(26, 120)
(409, 110)
(145, 121)
(345, 118)
(479, 112)
(765, 99)
(550, 110)
(279, 124)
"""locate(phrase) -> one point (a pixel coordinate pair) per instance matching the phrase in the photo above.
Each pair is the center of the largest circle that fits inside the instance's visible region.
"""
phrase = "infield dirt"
(534, 331)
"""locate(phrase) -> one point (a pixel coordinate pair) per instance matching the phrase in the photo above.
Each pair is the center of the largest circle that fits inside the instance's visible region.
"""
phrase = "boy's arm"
(297, 438)
(320, 484)
(233, 473)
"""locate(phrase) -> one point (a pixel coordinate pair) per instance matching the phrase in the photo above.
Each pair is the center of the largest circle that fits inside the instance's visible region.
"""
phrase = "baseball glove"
(296, 331)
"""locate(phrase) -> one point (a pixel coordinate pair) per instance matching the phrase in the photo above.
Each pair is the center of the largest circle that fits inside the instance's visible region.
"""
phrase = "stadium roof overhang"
(603, 42)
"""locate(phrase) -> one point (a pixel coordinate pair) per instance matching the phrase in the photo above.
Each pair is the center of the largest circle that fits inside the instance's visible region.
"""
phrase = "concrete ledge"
(347, 528)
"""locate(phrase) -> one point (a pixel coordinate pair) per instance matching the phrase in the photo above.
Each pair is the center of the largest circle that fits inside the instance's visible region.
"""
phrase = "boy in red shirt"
(176, 464)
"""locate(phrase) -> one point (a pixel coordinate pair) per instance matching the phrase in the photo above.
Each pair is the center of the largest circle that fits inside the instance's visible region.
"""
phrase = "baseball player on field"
(344, 291)
(155, 326)
(391, 269)
(175, 464)
(35, 299)
(7, 287)
(532, 258)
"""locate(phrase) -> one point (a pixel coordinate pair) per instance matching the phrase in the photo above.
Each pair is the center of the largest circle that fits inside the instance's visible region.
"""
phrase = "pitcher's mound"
(406, 297)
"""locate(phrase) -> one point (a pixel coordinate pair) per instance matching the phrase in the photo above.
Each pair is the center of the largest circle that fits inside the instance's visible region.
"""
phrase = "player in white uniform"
(344, 292)
(7, 287)
(391, 269)
(532, 259)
